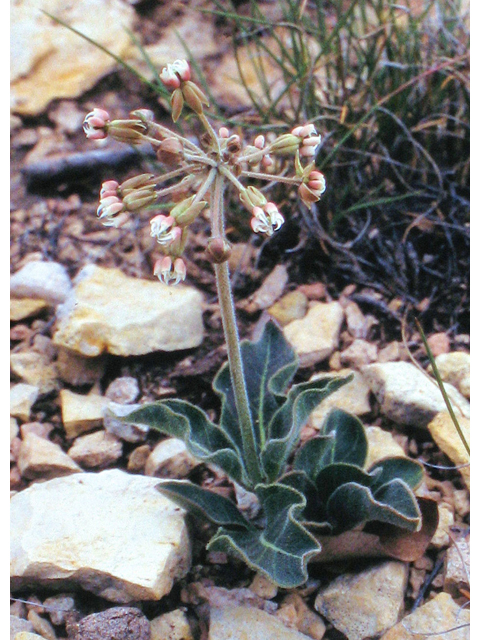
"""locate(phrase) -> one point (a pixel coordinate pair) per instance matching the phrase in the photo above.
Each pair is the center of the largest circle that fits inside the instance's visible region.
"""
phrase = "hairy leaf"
(314, 455)
(203, 503)
(204, 439)
(353, 504)
(400, 467)
(350, 438)
(282, 549)
(284, 429)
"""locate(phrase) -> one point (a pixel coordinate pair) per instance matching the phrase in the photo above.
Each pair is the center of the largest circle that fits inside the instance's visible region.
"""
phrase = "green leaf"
(204, 439)
(281, 551)
(353, 504)
(350, 439)
(314, 455)
(410, 471)
(203, 503)
(333, 476)
(269, 365)
(284, 428)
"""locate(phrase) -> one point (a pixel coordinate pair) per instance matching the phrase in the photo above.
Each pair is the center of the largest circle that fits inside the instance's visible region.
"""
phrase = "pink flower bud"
(223, 132)
(259, 142)
(95, 124)
(266, 219)
(166, 270)
(173, 74)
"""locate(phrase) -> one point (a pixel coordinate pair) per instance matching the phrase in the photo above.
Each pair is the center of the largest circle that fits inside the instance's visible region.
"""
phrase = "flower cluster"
(203, 170)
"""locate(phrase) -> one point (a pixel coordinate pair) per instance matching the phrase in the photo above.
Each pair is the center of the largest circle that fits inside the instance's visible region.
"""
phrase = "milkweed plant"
(322, 486)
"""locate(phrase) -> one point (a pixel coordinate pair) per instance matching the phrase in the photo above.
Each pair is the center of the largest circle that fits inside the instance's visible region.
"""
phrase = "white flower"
(174, 73)
(266, 219)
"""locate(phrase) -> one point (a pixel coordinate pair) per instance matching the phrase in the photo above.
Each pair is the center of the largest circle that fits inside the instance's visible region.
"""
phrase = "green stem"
(227, 310)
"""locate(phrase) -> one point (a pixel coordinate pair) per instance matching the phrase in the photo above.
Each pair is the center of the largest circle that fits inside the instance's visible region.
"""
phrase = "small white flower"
(266, 219)
(174, 73)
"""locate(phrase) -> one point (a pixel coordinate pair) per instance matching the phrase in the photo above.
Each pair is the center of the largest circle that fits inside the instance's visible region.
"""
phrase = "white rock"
(457, 566)
(96, 450)
(315, 337)
(48, 281)
(41, 458)
(81, 413)
(22, 398)
(36, 369)
(171, 626)
(21, 308)
(123, 390)
(365, 604)
(381, 445)
(408, 396)
(359, 353)
(110, 533)
(352, 397)
(454, 368)
(239, 623)
(50, 61)
(141, 317)
(439, 617)
(446, 436)
(170, 459)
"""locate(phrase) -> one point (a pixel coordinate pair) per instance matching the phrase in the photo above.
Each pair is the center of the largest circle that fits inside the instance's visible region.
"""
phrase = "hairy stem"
(227, 310)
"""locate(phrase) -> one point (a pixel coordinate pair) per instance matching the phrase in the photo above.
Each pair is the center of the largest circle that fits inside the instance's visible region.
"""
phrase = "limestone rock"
(50, 61)
(315, 337)
(381, 445)
(41, 458)
(170, 459)
(18, 625)
(48, 281)
(141, 317)
(237, 623)
(438, 616)
(96, 450)
(110, 533)
(446, 518)
(357, 323)
(171, 626)
(27, 635)
(78, 370)
(123, 390)
(21, 308)
(292, 306)
(455, 368)
(81, 413)
(446, 436)
(270, 290)
(365, 604)
(457, 565)
(353, 397)
(407, 396)
(36, 369)
(22, 398)
(113, 423)
(359, 353)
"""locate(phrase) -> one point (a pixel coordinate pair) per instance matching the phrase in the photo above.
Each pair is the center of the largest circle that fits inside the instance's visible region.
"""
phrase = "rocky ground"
(96, 551)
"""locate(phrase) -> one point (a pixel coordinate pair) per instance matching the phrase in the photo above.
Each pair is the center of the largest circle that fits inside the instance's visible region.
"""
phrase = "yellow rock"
(81, 413)
(21, 308)
(446, 436)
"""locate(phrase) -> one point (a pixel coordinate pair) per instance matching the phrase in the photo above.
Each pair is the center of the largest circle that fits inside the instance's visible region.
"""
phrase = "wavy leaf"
(282, 549)
(203, 503)
(284, 428)
(350, 439)
(204, 439)
(400, 467)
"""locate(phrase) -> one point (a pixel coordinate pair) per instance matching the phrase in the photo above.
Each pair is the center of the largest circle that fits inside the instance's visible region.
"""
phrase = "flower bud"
(141, 181)
(252, 197)
(174, 73)
(139, 198)
(95, 124)
(130, 131)
(177, 104)
(166, 270)
(285, 144)
(218, 250)
(170, 151)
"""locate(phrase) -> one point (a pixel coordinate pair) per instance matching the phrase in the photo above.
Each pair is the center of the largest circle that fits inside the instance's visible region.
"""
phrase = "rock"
(18, 625)
(446, 436)
(357, 323)
(27, 635)
(50, 61)
(96, 450)
(219, 598)
(457, 565)
(25, 308)
(48, 281)
(41, 625)
(353, 398)
(14, 430)
(40, 429)
(365, 604)
(393, 351)
(81, 413)
(110, 533)
(446, 518)
(308, 622)
(292, 306)
(67, 116)
(407, 395)
(263, 587)
(123, 390)
(41, 458)
(438, 616)
(381, 444)
(58, 607)
(270, 290)
(119, 623)
(170, 459)
(171, 626)
(112, 422)
(314, 291)
(22, 398)
(315, 337)
(359, 353)
(138, 458)
(238, 623)
(78, 370)
(35, 369)
(455, 368)
(144, 316)
(439, 343)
